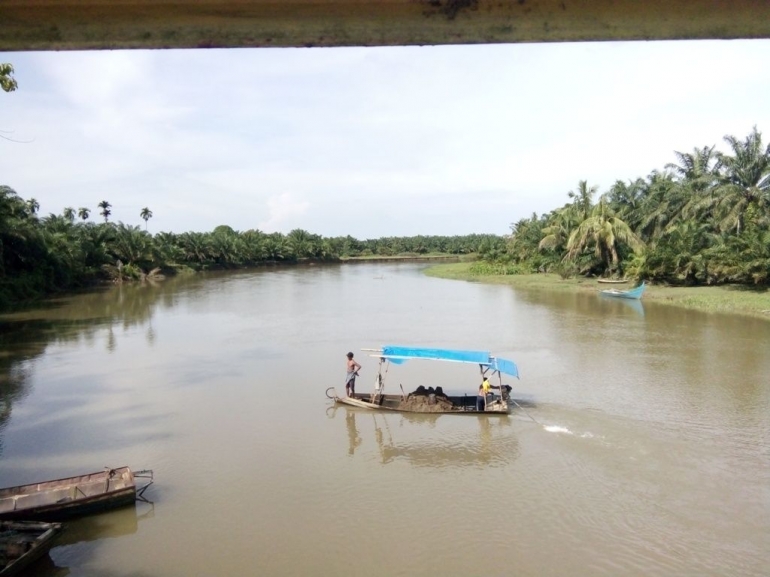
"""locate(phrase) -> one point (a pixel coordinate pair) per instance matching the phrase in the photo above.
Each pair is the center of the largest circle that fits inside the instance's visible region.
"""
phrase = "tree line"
(704, 219)
(42, 255)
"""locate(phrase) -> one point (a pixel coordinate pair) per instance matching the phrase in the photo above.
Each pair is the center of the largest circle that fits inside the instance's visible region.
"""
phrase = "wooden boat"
(24, 542)
(73, 496)
(612, 280)
(433, 400)
(634, 293)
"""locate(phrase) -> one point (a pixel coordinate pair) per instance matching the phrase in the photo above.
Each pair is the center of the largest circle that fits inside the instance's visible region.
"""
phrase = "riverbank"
(736, 299)
(409, 257)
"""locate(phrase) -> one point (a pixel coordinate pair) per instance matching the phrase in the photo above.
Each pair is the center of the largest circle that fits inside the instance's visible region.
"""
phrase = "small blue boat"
(634, 293)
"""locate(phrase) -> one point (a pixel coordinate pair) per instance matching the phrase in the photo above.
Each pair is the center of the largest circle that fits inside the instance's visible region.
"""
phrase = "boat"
(430, 399)
(73, 496)
(612, 280)
(634, 293)
(24, 542)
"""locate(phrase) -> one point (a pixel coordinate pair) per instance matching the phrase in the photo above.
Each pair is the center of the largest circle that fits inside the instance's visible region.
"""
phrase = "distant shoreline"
(406, 258)
(735, 299)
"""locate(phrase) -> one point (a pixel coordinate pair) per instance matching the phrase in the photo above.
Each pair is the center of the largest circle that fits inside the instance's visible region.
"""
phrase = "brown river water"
(641, 447)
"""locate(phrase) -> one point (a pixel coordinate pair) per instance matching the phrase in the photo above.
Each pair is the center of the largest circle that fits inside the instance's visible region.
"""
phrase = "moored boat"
(73, 496)
(612, 280)
(24, 542)
(634, 293)
(430, 399)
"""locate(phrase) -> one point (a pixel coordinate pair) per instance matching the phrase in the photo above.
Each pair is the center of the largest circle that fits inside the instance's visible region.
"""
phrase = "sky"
(370, 142)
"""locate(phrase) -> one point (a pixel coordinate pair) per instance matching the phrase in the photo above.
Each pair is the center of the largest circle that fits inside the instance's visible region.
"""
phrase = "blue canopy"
(505, 366)
(398, 355)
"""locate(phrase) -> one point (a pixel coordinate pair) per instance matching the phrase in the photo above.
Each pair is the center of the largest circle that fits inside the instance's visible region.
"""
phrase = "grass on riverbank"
(729, 298)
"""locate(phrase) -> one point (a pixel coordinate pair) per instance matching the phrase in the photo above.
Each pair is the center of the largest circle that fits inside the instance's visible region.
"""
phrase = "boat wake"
(557, 429)
(566, 431)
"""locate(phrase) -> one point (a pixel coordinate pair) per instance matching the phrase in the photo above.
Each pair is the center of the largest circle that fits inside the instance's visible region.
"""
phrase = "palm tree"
(605, 233)
(167, 248)
(583, 198)
(301, 242)
(683, 250)
(691, 193)
(69, 213)
(146, 214)
(84, 213)
(105, 212)
(663, 203)
(95, 240)
(132, 245)
(525, 238)
(701, 166)
(194, 247)
(54, 223)
(11, 206)
(626, 199)
(254, 246)
(561, 223)
(18, 234)
(33, 205)
(277, 247)
(745, 181)
(755, 252)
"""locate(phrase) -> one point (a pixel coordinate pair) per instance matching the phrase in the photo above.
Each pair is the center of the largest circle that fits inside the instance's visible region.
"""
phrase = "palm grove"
(704, 219)
(44, 254)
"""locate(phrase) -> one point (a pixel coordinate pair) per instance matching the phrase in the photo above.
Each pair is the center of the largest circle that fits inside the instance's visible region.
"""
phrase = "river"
(641, 447)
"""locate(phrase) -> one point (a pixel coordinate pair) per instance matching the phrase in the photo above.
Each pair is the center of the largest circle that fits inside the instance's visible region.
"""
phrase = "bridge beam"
(107, 24)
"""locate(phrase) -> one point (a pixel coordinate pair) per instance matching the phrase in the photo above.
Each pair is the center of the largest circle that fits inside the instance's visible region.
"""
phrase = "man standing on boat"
(485, 389)
(350, 378)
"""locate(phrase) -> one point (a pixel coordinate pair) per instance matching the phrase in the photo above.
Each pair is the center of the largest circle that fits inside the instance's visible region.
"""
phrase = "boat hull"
(634, 293)
(22, 543)
(69, 497)
(449, 405)
(620, 296)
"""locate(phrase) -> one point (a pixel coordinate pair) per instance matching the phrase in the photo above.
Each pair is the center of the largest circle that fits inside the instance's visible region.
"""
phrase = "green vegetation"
(40, 256)
(7, 81)
(704, 220)
(699, 229)
(754, 301)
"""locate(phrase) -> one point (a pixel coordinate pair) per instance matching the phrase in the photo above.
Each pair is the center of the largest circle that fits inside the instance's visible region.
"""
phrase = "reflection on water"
(481, 441)
(81, 538)
(29, 332)
(354, 439)
(109, 525)
(623, 305)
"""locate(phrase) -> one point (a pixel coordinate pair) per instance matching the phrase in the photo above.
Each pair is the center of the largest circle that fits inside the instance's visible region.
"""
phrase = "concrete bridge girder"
(111, 24)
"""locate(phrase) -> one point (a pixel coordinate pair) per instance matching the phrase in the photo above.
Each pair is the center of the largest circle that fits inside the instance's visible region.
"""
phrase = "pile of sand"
(425, 404)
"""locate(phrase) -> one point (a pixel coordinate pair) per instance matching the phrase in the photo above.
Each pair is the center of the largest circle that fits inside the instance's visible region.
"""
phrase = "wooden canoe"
(73, 496)
(24, 542)
(430, 404)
